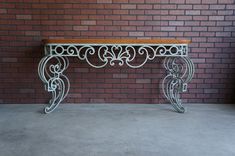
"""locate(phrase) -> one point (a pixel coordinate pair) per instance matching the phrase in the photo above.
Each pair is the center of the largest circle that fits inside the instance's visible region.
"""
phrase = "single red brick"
(168, 28)
(224, 34)
(153, 23)
(185, 18)
(137, 12)
(94, 100)
(209, 91)
(95, 6)
(136, 1)
(128, 6)
(225, 12)
(147, 18)
(112, 28)
(80, 28)
(120, 75)
(27, 91)
(113, 90)
(186, 7)
(217, 7)
(128, 17)
(145, 28)
(121, 12)
(122, 23)
(165, 6)
(104, 1)
(8, 59)
(199, 28)
(230, 6)
(80, 17)
(104, 22)
(222, 45)
(146, 6)
(191, 33)
(208, 12)
(88, 12)
(8, 5)
(112, 6)
(137, 23)
(120, 33)
(200, 18)
(136, 33)
(97, 28)
(112, 17)
(176, 23)
(88, 22)
(209, 1)
(193, 12)
(120, 1)
(226, 1)
(24, 17)
(176, 12)
(104, 12)
(32, 33)
(105, 33)
(127, 81)
(40, 6)
(168, 18)
(216, 18)
(175, 34)
(177, 1)
(143, 80)
(201, 7)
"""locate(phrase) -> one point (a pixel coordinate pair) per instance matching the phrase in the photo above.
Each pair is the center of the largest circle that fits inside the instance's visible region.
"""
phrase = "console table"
(179, 67)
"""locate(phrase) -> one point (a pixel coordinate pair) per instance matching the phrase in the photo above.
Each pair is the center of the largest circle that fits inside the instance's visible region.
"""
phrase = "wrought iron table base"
(179, 67)
(177, 79)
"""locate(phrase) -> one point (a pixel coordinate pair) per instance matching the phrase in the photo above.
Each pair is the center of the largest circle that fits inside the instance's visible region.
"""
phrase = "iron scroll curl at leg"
(180, 71)
(50, 70)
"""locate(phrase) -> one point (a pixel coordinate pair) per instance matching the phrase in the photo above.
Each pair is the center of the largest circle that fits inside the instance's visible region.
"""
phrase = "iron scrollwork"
(50, 71)
(180, 71)
(124, 54)
(55, 62)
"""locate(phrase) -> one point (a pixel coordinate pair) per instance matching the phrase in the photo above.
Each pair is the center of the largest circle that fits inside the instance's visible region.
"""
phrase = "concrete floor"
(117, 130)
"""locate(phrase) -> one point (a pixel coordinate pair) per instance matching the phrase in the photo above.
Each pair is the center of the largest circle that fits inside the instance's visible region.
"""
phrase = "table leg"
(180, 71)
(50, 70)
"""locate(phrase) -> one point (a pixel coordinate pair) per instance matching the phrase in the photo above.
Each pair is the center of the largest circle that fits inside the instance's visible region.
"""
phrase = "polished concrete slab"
(117, 130)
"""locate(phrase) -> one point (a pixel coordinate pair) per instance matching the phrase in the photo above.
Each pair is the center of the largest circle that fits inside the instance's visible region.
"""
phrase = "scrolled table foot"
(180, 72)
(50, 71)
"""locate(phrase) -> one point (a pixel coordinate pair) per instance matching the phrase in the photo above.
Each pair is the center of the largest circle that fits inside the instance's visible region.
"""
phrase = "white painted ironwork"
(180, 72)
(122, 53)
(55, 62)
(54, 79)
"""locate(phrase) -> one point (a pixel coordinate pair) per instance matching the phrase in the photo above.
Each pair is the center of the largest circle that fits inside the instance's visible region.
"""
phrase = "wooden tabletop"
(116, 41)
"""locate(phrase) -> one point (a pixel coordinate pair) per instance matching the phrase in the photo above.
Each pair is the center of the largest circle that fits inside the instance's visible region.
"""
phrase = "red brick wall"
(208, 23)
